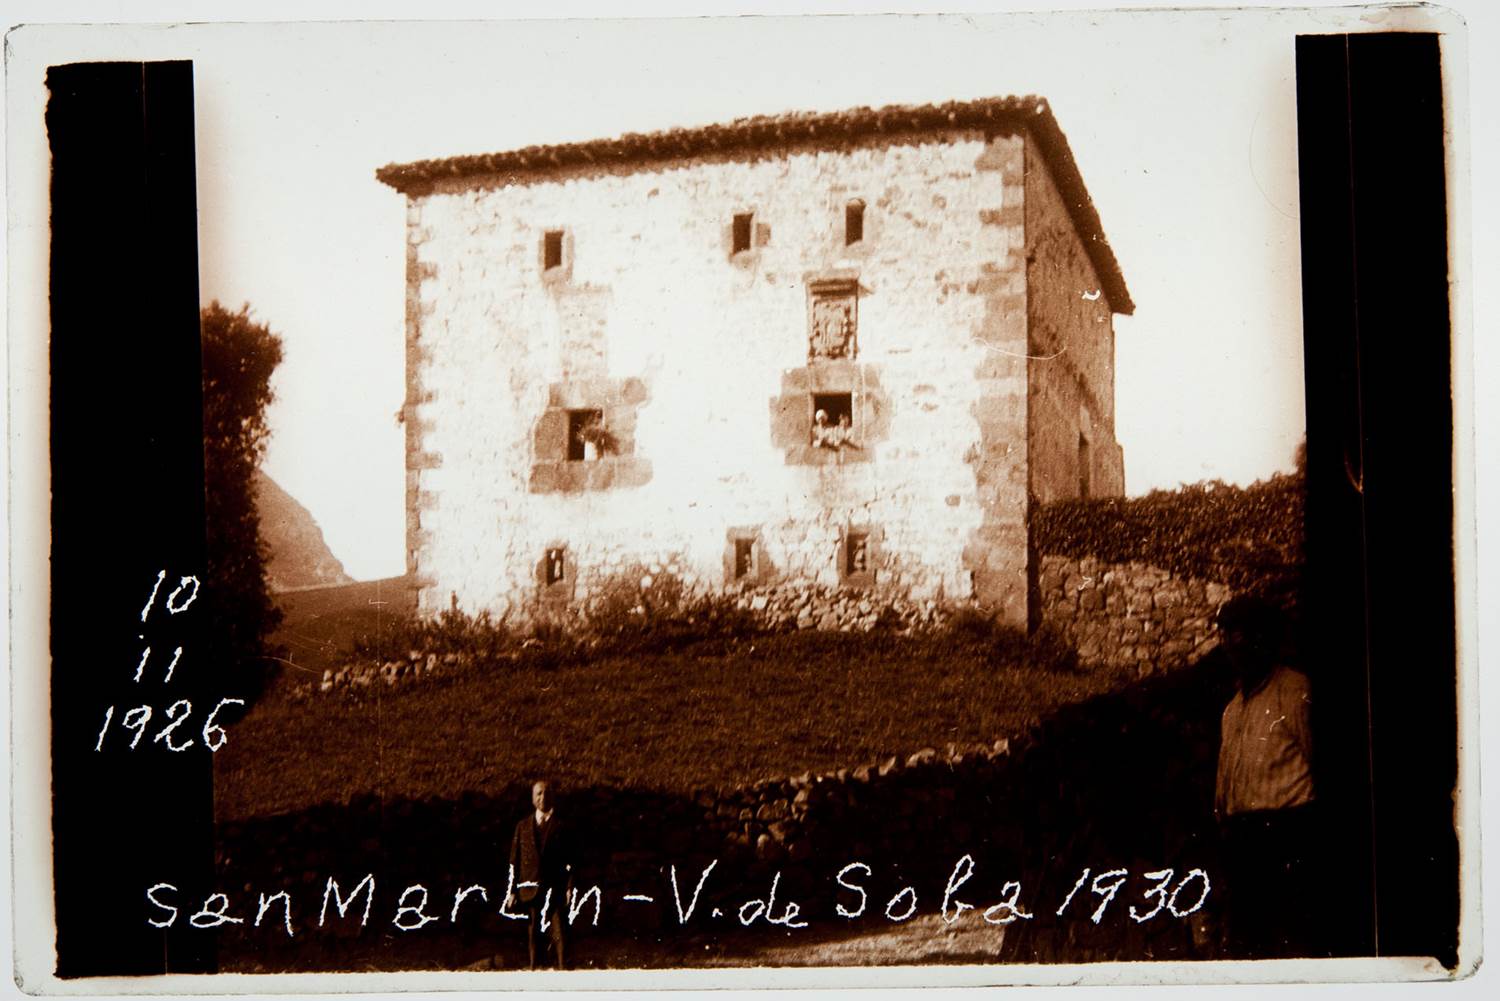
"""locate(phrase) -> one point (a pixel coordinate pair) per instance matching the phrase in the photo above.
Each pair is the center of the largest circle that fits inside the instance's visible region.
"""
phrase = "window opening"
(833, 419)
(555, 567)
(585, 434)
(744, 558)
(742, 229)
(856, 553)
(854, 222)
(552, 249)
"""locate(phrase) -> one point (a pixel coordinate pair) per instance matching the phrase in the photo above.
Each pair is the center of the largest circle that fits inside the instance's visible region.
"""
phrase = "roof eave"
(420, 177)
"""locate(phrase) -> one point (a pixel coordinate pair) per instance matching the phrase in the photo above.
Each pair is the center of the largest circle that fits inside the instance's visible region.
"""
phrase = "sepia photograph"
(739, 498)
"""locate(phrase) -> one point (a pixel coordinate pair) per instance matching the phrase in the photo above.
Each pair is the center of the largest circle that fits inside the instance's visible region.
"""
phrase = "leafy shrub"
(971, 630)
(632, 612)
(1250, 538)
(1047, 648)
(636, 611)
(478, 637)
(971, 626)
(547, 632)
(632, 599)
(635, 597)
(239, 357)
(720, 615)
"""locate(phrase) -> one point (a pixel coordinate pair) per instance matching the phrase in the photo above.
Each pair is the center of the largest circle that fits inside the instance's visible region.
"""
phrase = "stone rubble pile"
(775, 608)
(1129, 615)
(830, 610)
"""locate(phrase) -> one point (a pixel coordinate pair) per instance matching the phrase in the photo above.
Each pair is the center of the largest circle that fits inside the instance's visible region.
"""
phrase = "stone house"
(847, 350)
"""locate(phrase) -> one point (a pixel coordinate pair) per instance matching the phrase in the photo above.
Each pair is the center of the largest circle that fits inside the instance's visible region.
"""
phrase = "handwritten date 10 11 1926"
(177, 601)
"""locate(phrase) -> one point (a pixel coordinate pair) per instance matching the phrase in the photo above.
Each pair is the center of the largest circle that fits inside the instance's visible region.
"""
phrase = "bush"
(970, 626)
(628, 601)
(477, 637)
(720, 615)
(1047, 648)
(972, 630)
(239, 356)
(636, 611)
(1250, 538)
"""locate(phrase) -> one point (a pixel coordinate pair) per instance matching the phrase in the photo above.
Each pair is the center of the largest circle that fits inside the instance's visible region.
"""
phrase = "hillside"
(299, 557)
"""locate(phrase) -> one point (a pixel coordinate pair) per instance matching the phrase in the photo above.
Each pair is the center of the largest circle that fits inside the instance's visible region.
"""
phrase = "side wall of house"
(1072, 347)
(697, 357)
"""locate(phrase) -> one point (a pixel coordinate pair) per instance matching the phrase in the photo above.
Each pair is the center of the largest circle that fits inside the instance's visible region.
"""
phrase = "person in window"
(821, 430)
(829, 435)
(541, 863)
(845, 431)
(1264, 796)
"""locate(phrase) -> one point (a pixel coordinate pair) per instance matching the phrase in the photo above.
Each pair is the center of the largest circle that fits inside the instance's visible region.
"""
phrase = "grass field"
(320, 624)
(716, 713)
(1120, 771)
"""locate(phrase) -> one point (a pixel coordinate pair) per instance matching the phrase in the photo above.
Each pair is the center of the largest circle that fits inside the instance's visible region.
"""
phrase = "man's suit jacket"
(540, 856)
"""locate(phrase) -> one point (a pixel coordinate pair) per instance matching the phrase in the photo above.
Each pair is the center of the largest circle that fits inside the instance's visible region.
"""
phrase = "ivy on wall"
(1250, 538)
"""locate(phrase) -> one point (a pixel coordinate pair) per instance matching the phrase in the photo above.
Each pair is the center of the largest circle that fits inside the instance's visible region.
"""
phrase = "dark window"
(1084, 464)
(583, 426)
(743, 224)
(555, 569)
(552, 249)
(856, 554)
(744, 558)
(832, 419)
(854, 222)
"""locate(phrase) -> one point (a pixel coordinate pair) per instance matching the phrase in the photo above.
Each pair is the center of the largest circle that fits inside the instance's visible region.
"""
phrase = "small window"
(832, 419)
(744, 558)
(555, 566)
(744, 225)
(552, 249)
(856, 554)
(854, 222)
(585, 428)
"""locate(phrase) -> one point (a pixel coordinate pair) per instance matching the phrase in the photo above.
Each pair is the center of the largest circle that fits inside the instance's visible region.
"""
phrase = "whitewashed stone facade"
(936, 273)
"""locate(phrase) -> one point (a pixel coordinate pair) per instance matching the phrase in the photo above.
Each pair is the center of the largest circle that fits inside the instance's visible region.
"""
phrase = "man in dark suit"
(542, 867)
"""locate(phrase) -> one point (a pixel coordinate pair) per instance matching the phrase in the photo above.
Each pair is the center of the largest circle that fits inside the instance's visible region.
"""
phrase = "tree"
(239, 356)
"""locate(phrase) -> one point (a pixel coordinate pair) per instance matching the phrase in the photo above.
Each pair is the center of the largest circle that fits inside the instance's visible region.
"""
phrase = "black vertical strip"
(1401, 250)
(1380, 478)
(127, 489)
(1334, 603)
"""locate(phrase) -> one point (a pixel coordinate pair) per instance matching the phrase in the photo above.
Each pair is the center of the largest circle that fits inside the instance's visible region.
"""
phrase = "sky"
(1182, 127)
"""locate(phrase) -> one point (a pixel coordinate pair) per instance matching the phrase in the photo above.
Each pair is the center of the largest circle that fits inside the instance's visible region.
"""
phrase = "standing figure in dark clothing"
(542, 868)
(1264, 797)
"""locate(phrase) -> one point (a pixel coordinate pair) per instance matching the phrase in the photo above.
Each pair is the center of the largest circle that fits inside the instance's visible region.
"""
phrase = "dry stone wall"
(1129, 615)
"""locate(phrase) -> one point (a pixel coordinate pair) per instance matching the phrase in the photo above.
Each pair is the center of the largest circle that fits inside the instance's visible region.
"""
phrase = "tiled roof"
(762, 132)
